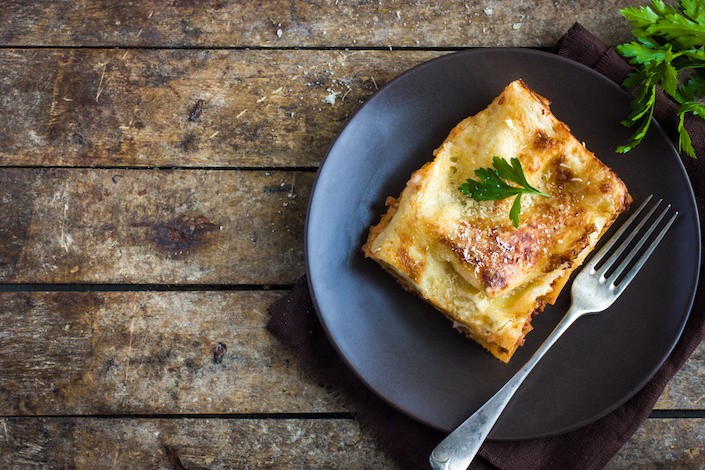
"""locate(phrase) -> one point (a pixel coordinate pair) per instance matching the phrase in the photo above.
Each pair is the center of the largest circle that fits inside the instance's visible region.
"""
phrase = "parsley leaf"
(669, 41)
(492, 185)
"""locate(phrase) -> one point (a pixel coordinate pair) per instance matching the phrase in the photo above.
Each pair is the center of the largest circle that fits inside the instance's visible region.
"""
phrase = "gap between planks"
(173, 416)
(141, 287)
(655, 414)
(256, 48)
(302, 169)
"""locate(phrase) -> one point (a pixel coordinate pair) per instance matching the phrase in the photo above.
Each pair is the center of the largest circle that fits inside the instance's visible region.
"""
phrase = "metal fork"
(594, 289)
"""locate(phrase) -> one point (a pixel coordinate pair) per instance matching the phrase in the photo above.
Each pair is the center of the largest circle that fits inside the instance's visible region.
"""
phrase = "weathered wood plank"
(270, 443)
(147, 353)
(685, 390)
(664, 444)
(152, 353)
(194, 443)
(152, 227)
(115, 108)
(287, 23)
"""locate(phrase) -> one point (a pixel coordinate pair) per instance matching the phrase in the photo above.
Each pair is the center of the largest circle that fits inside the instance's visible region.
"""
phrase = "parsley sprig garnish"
(492, 185)
(668, 41)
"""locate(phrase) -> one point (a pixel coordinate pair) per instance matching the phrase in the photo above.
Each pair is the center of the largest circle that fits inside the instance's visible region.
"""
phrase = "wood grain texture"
(147, 353)
(291, 23)
(152, 353)
(89, 443)
(194, 443)
(685, 390)
(279, 105)
(114, 108)
(152, 227)
(664, 444)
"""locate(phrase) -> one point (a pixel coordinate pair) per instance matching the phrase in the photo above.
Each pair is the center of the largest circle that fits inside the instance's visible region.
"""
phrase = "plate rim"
(655, 126)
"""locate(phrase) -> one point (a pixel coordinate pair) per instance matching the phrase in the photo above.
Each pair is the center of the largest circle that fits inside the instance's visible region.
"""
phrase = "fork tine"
(625, 243)
(635, 269)
(597, 257)
(632, 254)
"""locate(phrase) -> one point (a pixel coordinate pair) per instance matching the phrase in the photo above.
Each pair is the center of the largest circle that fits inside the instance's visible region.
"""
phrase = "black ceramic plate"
(406, 351)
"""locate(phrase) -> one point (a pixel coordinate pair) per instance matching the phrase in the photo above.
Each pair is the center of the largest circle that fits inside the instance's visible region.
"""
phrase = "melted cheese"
(465, 257)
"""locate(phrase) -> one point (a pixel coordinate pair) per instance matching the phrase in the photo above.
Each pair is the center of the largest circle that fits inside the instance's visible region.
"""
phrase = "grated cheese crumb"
(330, 98)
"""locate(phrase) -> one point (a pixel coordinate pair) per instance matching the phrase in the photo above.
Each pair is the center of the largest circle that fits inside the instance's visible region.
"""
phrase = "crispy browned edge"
(499, 352)
(556, 287)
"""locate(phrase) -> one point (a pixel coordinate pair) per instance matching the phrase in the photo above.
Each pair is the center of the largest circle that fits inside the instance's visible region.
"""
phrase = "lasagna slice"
(465, 257)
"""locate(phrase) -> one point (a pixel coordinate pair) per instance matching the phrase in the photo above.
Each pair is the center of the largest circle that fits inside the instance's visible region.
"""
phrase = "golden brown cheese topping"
(464, 256)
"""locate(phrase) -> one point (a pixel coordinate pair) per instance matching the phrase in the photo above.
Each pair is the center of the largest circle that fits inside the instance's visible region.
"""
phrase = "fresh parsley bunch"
(492, 186)
(669, 41)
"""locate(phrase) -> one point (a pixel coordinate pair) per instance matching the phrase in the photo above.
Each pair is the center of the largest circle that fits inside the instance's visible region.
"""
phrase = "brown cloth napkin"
(294, 321)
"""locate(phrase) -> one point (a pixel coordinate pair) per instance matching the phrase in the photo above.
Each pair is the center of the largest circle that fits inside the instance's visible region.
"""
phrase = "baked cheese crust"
(465, 257)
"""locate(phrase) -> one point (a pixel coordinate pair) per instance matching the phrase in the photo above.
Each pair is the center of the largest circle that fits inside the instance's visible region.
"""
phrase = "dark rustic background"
(138, 231)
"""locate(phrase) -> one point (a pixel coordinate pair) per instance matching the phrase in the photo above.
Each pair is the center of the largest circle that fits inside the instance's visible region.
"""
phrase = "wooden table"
(137, 235)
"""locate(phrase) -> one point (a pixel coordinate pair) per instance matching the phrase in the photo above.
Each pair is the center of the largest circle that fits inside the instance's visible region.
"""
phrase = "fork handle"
(458, 449)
